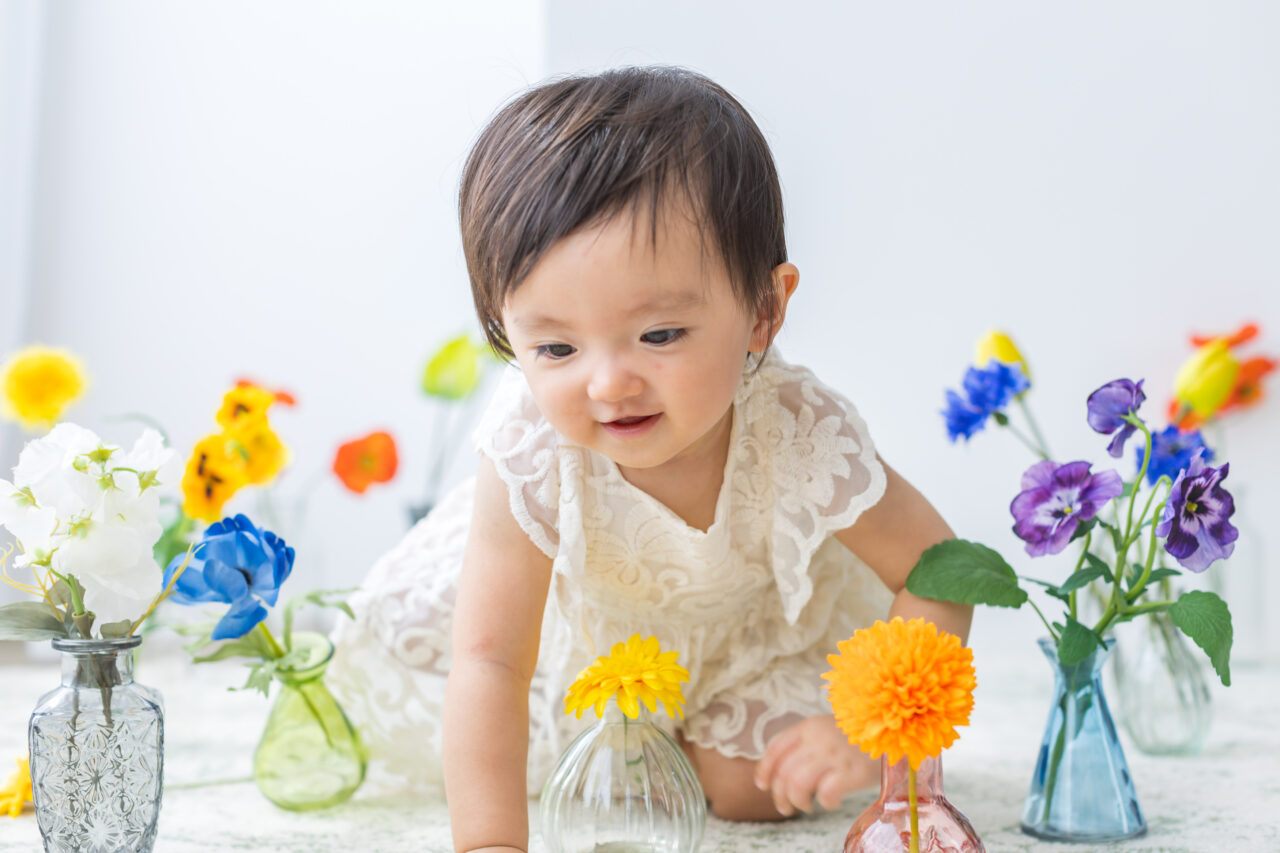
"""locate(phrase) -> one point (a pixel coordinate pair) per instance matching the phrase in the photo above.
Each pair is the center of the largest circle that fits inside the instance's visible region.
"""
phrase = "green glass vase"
(310, 756)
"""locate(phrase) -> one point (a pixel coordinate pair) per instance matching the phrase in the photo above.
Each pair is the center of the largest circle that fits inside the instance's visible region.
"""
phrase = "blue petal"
(239, 619)
(229, 582)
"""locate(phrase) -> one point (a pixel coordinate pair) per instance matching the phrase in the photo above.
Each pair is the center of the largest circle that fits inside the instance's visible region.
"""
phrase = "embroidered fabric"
(753, 604)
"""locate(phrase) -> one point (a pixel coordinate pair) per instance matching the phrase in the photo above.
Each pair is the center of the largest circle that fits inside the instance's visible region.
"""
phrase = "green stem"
(915, 809)
(1035, 428)
(1140, 584)
(276, 651)
(1052, 633)
(1025, 441)
(1149, 607)
(1088, 539)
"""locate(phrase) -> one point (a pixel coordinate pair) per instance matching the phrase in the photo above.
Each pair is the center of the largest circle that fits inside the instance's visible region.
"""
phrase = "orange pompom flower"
(900, 688)
(366, 461)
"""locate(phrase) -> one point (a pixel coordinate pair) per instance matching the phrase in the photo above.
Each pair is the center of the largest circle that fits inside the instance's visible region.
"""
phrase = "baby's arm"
(497, 625)
(812, 756)
(890, 537)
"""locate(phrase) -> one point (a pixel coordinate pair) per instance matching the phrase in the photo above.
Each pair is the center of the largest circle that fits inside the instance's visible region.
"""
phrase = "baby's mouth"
(632, 425)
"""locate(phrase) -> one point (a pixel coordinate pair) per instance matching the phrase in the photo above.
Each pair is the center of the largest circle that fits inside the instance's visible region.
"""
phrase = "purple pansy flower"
(1194, 523)
(1108, 407)
(1055, 499)
(1171, 451)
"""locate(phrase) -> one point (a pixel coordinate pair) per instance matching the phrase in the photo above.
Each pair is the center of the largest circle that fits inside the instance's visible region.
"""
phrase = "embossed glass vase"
(1081, 789)
(885, 827)
(309, 756)
(97, 753)
(1163, 694)
(623, 786)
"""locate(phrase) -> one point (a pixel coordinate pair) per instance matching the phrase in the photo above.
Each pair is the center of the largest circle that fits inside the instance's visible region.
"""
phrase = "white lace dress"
(753, 605)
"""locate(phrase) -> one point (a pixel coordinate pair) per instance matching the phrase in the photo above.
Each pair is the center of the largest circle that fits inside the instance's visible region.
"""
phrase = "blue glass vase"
(1081, 789)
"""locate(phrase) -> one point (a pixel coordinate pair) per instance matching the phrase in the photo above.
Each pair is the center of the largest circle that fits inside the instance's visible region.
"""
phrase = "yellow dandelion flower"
(39, 383)
(633, 672)
(900, 688)
(214, 473)
(17, 791)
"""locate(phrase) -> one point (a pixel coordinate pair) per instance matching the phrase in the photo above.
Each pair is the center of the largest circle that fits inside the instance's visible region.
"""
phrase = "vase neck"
(893, 779)
(1077, 673)
(97, 663)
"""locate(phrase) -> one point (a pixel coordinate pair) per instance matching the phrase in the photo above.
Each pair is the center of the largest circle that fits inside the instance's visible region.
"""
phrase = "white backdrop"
(229, 189)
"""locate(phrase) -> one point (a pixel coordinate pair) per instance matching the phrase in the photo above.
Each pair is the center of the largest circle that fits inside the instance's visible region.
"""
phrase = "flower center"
(1193, 507)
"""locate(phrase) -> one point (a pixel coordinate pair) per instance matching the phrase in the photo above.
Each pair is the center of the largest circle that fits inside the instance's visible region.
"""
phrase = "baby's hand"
(812, 757)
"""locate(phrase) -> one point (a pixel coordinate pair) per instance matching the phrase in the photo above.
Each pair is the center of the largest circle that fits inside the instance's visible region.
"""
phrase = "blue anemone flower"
(239, 564)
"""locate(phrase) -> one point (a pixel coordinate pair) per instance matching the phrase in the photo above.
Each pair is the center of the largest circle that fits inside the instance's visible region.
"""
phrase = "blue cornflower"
(1171, 451)
(987, 390)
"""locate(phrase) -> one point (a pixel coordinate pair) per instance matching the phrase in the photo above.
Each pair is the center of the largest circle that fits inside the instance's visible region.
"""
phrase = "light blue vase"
(1082, 789)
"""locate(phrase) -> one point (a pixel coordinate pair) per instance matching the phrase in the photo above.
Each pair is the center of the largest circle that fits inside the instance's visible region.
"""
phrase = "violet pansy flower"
(1194, 522)
(1108, 407)
(1055, 499)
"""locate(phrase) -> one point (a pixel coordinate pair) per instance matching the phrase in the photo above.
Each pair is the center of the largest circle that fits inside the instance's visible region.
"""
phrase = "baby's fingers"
(775, 753)
(835, 784)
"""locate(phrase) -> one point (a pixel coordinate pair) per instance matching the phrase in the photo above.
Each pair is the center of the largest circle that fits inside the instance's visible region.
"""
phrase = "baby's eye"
(663, 336)
(554, 351)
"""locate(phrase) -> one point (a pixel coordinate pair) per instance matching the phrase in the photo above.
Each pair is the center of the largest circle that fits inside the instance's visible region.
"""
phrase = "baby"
(649, 465)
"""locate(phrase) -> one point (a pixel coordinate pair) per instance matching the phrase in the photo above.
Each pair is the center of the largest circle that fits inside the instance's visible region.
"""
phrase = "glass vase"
(1081, 789)
(885, 827)
(1164, 698)
(623, 786)
(309, 756)
(97, 753)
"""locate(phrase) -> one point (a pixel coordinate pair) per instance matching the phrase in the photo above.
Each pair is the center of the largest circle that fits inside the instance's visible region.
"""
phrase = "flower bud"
(1206, 378)
(998, 345)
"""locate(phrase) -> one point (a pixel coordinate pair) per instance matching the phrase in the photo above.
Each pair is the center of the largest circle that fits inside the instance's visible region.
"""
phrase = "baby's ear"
(785, 279)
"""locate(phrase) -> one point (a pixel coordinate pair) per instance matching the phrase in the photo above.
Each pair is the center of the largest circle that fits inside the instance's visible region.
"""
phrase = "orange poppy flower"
(1245, 389)
(900, 688)
(366, 461)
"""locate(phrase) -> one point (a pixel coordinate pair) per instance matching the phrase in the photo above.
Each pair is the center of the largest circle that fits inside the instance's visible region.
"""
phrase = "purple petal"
(1102, 487)
(1039, 475)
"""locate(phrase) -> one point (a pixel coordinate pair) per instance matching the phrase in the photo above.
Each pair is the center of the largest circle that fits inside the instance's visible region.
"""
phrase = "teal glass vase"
(1081, 789)
(310, 756)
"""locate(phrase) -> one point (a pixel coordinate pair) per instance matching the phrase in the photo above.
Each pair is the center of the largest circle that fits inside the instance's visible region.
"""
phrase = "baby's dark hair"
(578, 150)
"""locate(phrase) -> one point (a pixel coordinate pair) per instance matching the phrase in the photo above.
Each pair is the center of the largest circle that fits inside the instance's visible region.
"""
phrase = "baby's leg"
(730, 785)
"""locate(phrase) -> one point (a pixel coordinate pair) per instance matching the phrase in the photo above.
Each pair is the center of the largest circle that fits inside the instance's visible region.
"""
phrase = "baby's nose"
(612, 380)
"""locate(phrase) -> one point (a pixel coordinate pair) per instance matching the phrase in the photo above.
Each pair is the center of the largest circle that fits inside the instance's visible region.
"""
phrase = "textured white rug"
(1221, 800)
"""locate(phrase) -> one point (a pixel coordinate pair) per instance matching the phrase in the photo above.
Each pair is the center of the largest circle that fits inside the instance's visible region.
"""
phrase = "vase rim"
(314, 666)
(96, 644)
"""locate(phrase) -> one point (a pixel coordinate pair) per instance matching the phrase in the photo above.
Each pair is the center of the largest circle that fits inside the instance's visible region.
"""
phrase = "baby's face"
(633, 352)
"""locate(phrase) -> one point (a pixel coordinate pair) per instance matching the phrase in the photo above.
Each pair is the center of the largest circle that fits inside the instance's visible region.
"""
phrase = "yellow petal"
(996, 344)
(454, 371)
(1206, 378)
(38, 383)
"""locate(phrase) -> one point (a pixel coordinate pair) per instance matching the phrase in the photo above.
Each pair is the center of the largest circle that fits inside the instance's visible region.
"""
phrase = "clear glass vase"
(97, 753)
(1164, 698)
(885, 827)
(1081, 789)
(623, 786)
(310, 756)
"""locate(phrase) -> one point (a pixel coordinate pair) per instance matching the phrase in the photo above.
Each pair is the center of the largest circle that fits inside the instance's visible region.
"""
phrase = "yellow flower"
(259, 448)
(633, 672)
(39, 383)
(245, 402)
(900, 688)
(17, 790)
(996, 344)
(214, 473)
(455, 370)
(1205, 380)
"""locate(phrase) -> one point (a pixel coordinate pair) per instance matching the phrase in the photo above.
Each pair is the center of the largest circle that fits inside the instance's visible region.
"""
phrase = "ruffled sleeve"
(820, 463)
(523, 448)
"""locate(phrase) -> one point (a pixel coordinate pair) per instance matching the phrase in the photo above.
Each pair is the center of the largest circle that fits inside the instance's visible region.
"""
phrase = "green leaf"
(1081, 578)
(1206, 619)
(1049, 588)
(966, 572)
(260, 675)
(110, 630)
(1161, 574)
(29, 620)
(1084, 529)
(1098, 563)
(1078, 642)
(320, 598)
(247, 646)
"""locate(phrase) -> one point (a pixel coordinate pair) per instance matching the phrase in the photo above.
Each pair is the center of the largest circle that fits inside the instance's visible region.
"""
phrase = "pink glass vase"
(885, 827)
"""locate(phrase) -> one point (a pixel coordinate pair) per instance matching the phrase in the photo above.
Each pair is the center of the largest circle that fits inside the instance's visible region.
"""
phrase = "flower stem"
(1052, 633)
(1035, 428)
(1025, 441)
(277, 652)
(915, 808)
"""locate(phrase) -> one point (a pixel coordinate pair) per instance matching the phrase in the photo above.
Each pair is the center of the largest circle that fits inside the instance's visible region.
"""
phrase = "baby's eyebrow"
(674, 301)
